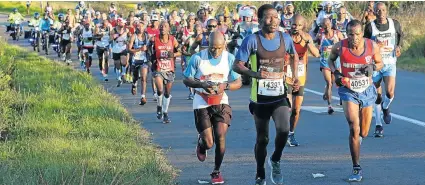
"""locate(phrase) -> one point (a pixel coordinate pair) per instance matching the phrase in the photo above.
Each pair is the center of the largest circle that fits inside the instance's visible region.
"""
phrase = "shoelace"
(276, 167)
(215, 175)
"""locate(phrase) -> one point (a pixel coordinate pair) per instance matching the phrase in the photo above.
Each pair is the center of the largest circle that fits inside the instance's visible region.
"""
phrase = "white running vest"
(120, 44)
(104, 41)
(388, 40)
(86, 35)
(207, 72)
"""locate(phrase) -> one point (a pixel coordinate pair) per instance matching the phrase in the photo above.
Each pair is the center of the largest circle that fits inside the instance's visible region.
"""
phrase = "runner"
(165, 49)
(369, 14)
(208, 71)
(152, 31)
(88, 44)
(328, 37)
(119, 50)
(202, 39)
(287, 17)
(66, 39)
(359, 58)
(188, 39)
(102, 33)
(340, 23)
(266, 51)
(388, 34)
(303, 43)
(138, 46)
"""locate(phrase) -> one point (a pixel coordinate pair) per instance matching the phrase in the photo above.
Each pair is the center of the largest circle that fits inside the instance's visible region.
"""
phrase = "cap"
(121, 20)
(154, 17)
(97, 13)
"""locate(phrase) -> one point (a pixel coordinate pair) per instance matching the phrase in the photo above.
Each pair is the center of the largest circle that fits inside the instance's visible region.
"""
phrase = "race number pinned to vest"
(164, 63)
(359, 84)
(272, 86)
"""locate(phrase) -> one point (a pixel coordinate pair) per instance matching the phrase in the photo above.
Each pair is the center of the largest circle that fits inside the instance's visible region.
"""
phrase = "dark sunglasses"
(212, 26)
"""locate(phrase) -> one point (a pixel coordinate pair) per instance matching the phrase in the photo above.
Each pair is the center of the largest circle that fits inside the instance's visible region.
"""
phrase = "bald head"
(299, 18)
(298, 23)
(216, 44)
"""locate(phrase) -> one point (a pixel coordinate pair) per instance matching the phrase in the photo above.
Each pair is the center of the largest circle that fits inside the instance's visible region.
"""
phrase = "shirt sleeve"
(232, 74)
(368, 31)
(249, 44)
(399, 32)
(192, 66)
(289, 44)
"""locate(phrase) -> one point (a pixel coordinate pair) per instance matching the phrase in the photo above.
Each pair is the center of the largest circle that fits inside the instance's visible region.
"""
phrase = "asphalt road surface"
(398, 158)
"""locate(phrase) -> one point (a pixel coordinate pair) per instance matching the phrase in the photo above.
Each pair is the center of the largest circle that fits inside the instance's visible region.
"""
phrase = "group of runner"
(268, 44)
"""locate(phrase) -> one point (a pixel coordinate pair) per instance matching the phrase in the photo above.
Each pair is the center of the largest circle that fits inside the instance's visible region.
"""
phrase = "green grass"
(7, 7)
(64, 128)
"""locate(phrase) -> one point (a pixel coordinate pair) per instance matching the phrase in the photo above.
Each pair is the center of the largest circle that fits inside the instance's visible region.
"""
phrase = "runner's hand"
(338, 78)
(397, 51)
(208, 87)
(262, 74)
(170, 54)
(221, 87)
(296, 85)
(368, 69)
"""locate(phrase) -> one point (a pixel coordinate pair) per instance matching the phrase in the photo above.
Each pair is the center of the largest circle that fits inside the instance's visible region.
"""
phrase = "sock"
(118, 72)
(387, 102)
(291, 133)
(165, 104)
(159, 102)
(361, 139)
(143, 96)
(124, 69)
(378, 115)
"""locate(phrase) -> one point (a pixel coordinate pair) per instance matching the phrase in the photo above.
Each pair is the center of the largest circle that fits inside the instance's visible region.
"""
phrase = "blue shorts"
(324, 64)
(365, 99)
(387, 70)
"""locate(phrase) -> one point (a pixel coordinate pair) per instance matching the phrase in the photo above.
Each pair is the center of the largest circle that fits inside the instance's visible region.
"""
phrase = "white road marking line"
(397, 116)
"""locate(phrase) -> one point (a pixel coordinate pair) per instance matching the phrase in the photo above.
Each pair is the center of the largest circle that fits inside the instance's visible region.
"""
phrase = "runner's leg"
(351, 111)
(328, 89)
(262, 127)
(281, 118)
(220, 130)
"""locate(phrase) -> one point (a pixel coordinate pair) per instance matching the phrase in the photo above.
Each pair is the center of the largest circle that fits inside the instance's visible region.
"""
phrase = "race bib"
(164, 65)
(327, 52)
(271, 87)
(140, 55)
(301, 70)
(65, 36)
(215, 77)
(288, 71)
(359, 84)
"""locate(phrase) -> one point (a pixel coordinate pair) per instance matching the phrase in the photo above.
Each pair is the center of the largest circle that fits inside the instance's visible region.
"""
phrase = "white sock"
(124, 70)
(291, 133)
(165, 104)
(159, 102)
(378, 115)
(361, 139)
(387, 102)
(118, 73)
(143, 96)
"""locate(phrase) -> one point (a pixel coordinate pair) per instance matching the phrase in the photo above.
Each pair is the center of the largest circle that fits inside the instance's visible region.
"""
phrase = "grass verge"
(61, 127)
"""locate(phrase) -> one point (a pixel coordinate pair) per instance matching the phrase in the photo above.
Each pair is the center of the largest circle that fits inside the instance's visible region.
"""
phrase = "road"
(398, 158)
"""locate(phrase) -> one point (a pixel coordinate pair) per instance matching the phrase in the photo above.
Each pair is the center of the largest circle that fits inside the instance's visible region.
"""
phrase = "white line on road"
(400, 117)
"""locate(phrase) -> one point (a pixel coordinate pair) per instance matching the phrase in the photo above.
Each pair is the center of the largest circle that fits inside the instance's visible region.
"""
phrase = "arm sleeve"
(368, 31)
(399, 33)
(192, 66)
(232, 74)
(248, 45)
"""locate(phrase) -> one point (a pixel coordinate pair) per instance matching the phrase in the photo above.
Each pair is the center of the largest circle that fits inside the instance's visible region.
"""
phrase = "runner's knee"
(208, 143)
(262, 140)
(354, 130)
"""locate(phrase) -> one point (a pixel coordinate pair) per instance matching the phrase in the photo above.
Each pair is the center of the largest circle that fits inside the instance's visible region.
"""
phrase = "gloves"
(368, 69)
(338, 78)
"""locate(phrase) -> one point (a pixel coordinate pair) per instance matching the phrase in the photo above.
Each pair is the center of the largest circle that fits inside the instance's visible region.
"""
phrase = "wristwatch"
(227, 86)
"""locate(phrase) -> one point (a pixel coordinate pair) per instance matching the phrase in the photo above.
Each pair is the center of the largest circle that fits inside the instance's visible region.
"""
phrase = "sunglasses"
(212, 26)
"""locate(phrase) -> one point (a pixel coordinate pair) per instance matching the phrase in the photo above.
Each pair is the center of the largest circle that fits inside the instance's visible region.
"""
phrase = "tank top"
(386, 40)
(264, 91)
(163, 63)
(326, 45)
(212, 73)
(301, 49)
(286, 22)
(87, 38)
(350, 65)
(341, 26)
(152, 32)
(66, 34)
(120, 43)
(140, 55)
(204, 42)
(104, 40)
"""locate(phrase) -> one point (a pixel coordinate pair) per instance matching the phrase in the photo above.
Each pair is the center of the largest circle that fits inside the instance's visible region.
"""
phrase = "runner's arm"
(189, 73)
(333, 56)
(130, 44)
(377, 58)
(311, 47)
(368, 31)
(177, 49)
(195, 44)
(247, 47)
(399, 33)
(185, 47)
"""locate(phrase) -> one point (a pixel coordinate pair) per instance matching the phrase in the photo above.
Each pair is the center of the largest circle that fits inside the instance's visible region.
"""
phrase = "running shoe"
(200, 153)
(330, 110)
(142, 101)
(166, 118)
(119, 83)
(357, 175)
(292, 141)
(190, 97)
(379, 131)
(275, 172)
(158, 112)
(63, 57)
(387, 115)
(216, 178)
(133, 89)
(260, 181)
